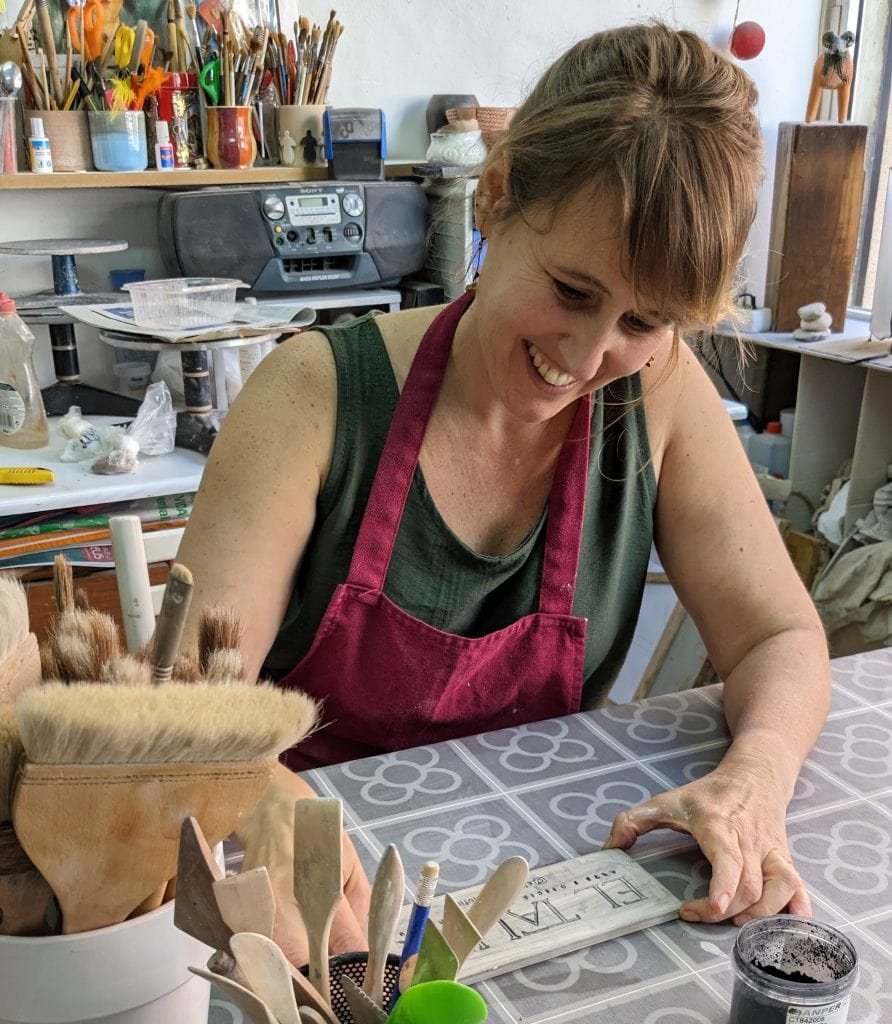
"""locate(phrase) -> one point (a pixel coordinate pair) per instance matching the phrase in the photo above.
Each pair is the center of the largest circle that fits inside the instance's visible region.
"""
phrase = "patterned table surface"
(550, 791)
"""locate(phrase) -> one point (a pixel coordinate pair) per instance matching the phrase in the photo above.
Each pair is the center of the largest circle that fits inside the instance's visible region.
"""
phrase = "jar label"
(831, 1013)
(12, 409)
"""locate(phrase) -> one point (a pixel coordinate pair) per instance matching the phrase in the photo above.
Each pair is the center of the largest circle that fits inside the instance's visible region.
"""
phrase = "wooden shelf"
(175, 179)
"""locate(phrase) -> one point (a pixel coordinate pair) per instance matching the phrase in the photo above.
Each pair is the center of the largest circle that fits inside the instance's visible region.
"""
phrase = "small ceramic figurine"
(287, 147)
(832, 70)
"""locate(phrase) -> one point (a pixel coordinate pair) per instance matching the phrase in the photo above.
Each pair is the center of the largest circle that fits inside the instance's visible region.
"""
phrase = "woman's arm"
(727, 561)
(256, 505)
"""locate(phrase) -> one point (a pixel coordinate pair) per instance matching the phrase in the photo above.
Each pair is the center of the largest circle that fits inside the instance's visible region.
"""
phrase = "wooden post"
(818, 187)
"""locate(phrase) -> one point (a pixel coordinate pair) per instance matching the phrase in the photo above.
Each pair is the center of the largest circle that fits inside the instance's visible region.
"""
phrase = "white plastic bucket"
(130, 973)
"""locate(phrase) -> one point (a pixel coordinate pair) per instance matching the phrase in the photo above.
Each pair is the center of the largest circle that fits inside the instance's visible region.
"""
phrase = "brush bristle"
(13, 615)
(10, 753)
(169, 723)
(83, 643)
(224, 667)
(128, 671)
(180, 574)
(219, 629)
(63, 584)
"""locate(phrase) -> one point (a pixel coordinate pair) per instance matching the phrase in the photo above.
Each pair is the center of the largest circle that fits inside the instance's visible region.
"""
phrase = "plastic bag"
(155, 426)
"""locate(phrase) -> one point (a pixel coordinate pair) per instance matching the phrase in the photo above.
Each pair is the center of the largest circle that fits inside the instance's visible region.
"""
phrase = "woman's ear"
(490, 193)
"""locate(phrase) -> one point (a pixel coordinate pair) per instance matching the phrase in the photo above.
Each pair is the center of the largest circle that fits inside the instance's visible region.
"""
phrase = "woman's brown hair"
(665, 127)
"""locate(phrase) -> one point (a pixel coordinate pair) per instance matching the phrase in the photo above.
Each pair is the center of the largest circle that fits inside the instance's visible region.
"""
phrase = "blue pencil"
(421, 908)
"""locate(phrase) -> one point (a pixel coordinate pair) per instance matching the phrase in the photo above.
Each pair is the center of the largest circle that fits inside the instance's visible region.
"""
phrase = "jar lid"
(7, 305)
(736, 410)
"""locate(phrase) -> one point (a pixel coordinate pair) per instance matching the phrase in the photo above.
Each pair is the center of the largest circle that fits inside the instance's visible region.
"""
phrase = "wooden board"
(562, 908)
(816, 211)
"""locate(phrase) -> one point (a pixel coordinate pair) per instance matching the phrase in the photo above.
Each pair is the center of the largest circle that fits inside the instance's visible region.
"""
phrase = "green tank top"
(433, 575)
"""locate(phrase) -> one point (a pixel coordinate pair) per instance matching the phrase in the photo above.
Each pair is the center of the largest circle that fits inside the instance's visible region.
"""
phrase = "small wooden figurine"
(832, 70)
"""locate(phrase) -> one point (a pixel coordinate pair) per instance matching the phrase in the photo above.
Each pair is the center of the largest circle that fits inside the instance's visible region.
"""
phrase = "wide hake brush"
(112, 771)
(19, 653)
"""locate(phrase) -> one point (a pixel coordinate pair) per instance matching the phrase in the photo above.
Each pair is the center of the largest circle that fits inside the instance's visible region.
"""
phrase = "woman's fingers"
(629, 825)
(347, 933)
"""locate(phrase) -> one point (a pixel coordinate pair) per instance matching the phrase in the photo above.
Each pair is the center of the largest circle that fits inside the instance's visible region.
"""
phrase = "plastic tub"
(177, 303)
(134, 374)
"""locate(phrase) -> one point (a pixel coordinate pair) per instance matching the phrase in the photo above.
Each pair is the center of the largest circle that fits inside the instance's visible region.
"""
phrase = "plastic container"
(39, 150)
(740, 417)
(118, 140)
(22, 415)
(177, 303)
(131, 973)
(787, 421)
(789, 969)
(134, 374)
(771, 450)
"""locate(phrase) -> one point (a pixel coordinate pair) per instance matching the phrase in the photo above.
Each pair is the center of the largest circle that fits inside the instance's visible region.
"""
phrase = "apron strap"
(399, 459)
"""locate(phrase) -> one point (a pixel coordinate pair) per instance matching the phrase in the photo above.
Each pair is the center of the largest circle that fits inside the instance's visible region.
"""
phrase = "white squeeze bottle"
(22, 415)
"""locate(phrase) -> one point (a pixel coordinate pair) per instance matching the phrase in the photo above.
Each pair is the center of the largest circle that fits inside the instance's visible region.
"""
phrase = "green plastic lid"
(439, 1002)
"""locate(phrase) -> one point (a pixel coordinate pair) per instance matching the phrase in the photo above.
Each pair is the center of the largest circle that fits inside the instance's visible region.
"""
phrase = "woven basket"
(492, 120)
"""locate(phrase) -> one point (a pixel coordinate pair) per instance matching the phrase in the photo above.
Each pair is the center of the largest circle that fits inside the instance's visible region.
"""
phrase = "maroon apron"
(388, 681)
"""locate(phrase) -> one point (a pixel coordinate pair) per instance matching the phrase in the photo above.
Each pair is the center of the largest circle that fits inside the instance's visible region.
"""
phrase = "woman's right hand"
(268, 838)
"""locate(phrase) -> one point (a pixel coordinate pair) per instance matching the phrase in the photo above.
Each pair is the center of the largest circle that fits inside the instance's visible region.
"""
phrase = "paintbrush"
(171, 621)
(110, 772)
(19, 653)
(49, 47)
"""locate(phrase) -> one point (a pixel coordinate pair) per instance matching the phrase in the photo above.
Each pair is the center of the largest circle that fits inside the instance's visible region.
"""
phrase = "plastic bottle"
(39, 148)
(771, 450)
(740, 417)
(163, 147)
(22, 415)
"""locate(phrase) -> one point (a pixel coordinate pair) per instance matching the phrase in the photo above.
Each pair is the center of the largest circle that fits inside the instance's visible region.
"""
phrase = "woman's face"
(555, 317)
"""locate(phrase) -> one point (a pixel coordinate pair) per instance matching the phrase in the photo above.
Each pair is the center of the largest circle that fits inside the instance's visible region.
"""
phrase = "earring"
(650, 361)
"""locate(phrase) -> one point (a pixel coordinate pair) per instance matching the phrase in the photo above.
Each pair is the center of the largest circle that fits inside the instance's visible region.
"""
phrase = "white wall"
(394, 54)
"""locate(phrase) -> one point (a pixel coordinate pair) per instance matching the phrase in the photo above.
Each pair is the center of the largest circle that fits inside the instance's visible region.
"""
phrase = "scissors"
(210, 80)
(124, 40)
(94, 22)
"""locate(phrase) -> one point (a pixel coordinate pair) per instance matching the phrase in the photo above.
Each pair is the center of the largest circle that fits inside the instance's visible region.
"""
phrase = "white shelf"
(74, 486)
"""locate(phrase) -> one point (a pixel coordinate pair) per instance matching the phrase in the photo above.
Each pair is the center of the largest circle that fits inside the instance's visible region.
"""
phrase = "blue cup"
(118, 278)
(118, 140)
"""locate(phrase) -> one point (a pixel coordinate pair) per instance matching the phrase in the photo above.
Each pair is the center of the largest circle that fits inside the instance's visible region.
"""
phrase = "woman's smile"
(549, 373)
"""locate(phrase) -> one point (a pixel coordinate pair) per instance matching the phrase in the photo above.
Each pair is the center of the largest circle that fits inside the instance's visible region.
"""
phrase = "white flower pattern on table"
(549, 791)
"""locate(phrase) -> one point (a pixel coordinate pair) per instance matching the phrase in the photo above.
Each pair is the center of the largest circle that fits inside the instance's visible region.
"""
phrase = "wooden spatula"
(388, 890)
(264, 965)
(249, 1003)
(317, 878)
(247, 902)
(498, 893)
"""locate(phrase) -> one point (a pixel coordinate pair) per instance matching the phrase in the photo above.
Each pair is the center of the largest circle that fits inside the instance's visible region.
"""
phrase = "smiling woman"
(448, 529)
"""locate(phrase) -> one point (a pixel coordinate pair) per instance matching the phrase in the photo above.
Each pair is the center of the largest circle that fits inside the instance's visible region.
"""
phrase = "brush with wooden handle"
(131, 567)
(49, 48)
(19, 652)
(111, 771)
(171, 621)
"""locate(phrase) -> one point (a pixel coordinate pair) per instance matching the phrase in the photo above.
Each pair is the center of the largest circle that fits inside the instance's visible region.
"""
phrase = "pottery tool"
(459, 931)
(19, 652)
(196, 910)
(171, 620)
(384, 911)
(47, 36)
(112, 771)
(564, 907)
(317, 878)
(131, 566)
(24, 893)
(362, 1009)
(436, 960)
(309, 1016)
(264, 966)
(246, 901)
(247, 1001)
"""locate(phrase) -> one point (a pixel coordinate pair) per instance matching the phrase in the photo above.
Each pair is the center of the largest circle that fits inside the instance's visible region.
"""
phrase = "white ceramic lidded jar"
(464, 149)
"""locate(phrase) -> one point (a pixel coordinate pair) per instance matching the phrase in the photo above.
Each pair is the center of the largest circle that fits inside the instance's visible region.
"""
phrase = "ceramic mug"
(301, 139)
(69, 135)
(230, 141)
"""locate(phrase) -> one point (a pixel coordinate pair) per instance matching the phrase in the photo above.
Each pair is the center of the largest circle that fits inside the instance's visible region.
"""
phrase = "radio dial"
(274, 208)
(353, 204)
(352, 232)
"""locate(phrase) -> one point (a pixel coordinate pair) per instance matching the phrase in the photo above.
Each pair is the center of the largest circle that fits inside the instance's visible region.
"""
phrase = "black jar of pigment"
(791, 970)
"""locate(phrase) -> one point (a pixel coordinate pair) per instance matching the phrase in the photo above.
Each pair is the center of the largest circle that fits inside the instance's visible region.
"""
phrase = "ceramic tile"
(868, 676)
(686, 1001)
(872, 996)
(469, 842)
(567, 984)
(581, 811)
(664, 724)
(421, 779)
(857, 750)
(845, 854)
(880, 929)
(544, 750)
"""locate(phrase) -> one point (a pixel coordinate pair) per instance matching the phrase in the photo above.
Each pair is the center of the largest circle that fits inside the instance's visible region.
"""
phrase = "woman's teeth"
(546, 371)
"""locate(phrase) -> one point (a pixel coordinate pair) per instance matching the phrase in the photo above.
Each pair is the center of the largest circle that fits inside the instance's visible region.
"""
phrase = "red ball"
(747, 40)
